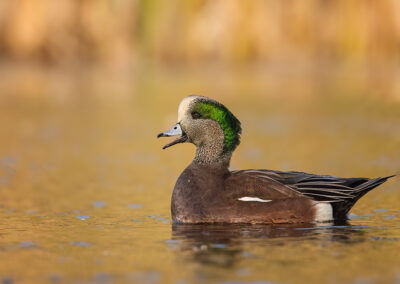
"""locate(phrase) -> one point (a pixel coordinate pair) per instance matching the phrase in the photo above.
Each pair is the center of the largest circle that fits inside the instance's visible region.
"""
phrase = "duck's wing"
(322, 188)
(259, 184)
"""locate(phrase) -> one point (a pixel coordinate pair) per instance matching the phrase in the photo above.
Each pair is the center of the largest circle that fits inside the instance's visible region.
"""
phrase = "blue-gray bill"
(174, 131)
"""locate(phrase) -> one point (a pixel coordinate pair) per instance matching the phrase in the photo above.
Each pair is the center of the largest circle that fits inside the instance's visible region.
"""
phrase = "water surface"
(85, 187)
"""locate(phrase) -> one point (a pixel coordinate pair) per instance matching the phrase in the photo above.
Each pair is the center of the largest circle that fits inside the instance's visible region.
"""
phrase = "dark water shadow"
(223, 245)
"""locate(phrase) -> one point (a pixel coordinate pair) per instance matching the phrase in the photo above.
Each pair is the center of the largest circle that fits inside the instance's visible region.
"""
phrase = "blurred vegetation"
(126, 32)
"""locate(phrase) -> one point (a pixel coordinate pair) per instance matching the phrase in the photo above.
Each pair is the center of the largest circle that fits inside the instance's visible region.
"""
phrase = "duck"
(207, 191)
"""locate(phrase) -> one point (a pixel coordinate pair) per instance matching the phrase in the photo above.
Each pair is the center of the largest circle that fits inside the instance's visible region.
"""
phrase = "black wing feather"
(342, 193)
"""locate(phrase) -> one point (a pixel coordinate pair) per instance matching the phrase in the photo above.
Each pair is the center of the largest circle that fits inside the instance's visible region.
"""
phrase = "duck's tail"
(340, 209)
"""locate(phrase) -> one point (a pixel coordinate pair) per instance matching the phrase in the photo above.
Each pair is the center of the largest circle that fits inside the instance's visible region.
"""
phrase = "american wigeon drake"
(208, 192)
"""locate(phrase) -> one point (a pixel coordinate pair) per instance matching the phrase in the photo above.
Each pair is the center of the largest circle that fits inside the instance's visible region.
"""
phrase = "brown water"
(85, 187)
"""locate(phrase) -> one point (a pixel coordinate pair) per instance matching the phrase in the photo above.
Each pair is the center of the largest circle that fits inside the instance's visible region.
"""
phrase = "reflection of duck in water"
(207, 192)
(224, 245)
(221, 244)
(227, 233)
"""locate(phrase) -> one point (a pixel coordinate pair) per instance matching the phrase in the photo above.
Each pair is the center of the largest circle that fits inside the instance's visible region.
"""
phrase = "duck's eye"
(195, 115)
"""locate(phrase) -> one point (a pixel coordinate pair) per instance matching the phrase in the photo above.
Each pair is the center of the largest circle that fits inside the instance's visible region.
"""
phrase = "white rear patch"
(184, 106)
(256, 199)
(323, 212)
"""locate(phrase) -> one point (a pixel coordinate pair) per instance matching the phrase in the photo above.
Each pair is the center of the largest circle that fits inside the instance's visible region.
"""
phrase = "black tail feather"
(340, 209)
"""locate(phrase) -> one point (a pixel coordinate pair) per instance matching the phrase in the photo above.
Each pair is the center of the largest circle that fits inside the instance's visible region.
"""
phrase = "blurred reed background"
(125, 33)
(111, 45)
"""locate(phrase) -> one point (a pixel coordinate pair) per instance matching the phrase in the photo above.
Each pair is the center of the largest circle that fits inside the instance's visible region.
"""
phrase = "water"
(85, 187)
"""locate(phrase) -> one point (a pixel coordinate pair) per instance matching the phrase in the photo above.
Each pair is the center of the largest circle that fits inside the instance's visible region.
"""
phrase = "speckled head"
(208, 124)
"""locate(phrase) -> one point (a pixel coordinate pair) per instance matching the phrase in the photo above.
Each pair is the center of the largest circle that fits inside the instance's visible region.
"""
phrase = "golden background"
(85, 86)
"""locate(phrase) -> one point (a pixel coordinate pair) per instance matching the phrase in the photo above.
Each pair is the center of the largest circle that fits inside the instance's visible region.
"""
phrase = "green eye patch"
(230, 125)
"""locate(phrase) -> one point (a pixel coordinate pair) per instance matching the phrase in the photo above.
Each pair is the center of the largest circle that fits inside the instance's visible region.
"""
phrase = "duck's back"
(205, 194)
(340, 193)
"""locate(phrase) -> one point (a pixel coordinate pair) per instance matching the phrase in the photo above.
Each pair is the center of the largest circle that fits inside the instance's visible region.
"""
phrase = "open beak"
(174, 131)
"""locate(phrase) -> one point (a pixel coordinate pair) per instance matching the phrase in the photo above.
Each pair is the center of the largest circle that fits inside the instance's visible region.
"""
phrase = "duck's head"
(207, 124)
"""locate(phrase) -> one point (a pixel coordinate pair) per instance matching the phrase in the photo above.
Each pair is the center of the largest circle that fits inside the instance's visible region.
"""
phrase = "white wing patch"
(256, 199)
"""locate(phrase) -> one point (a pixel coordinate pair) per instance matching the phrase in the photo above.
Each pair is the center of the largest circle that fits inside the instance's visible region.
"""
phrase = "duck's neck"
(211, 155)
